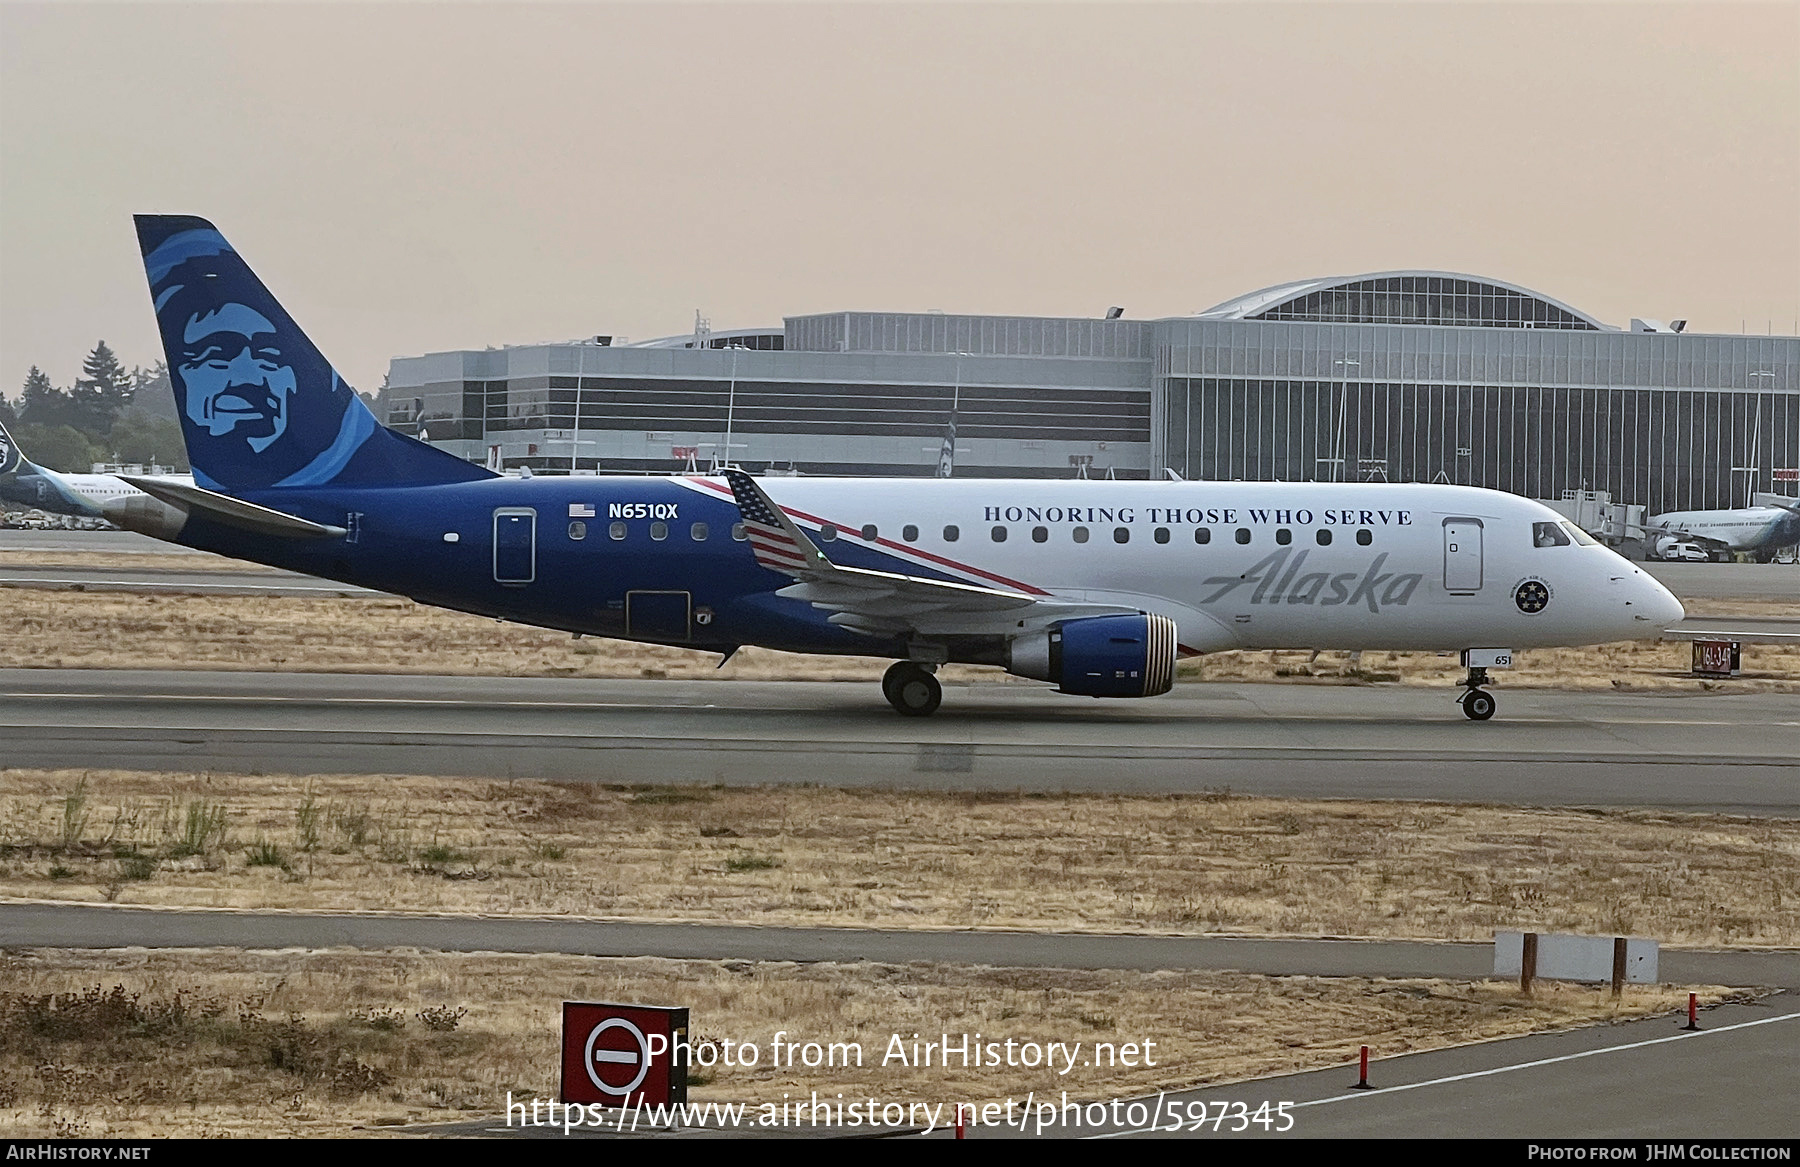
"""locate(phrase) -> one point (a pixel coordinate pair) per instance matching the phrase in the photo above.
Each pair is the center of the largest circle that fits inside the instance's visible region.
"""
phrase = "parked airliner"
(24, 483)
(1756, 530)
(1094, 586)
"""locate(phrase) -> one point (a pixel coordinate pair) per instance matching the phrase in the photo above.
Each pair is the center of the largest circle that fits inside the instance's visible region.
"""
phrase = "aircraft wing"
(1712, 541)
(881, 603)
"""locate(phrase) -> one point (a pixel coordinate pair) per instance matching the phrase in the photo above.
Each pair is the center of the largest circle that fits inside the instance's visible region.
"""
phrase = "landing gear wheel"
(910, 688)
(889, 679)
(1478, 705)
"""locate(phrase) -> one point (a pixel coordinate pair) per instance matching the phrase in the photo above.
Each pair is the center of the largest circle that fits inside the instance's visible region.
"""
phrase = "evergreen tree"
(9, 416)
(104, 388)
(44, 404)
(152, 396)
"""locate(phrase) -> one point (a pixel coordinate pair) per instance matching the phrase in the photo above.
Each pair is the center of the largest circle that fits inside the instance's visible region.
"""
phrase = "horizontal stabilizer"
(232, 512)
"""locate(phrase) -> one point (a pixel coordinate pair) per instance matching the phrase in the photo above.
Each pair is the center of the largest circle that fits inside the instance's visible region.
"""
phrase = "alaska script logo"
(1276, 586)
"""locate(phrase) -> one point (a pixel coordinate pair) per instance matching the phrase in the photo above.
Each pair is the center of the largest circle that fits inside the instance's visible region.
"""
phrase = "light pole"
(948, 449)
(1755, 436)
(1337, 438)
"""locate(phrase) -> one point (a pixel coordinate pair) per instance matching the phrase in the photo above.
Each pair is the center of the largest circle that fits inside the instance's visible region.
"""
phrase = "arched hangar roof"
(1406, 297)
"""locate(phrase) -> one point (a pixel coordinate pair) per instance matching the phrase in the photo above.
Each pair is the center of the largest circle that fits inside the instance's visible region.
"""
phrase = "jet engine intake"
(1100, 656)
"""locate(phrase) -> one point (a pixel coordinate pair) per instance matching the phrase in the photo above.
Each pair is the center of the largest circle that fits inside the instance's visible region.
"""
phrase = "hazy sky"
(419, 177)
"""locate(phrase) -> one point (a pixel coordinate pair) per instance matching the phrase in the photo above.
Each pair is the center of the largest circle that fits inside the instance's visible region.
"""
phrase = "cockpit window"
(1581, 536)
(1548, 535)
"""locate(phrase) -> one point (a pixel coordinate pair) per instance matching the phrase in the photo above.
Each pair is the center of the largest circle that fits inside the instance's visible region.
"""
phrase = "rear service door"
(1462, 555)
(515, 545)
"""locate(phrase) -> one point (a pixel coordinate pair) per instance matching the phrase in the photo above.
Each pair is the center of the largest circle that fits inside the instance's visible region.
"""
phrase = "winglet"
(778, 544)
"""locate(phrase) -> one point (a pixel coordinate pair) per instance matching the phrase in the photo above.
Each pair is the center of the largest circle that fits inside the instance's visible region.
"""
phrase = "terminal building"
(1409, 376)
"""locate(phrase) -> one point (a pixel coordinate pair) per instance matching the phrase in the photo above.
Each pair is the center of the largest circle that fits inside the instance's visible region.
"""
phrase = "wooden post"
(1618, 966)
(1528, 963)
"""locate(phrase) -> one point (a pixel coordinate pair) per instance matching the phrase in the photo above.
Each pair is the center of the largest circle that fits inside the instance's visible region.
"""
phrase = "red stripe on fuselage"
(950, 563)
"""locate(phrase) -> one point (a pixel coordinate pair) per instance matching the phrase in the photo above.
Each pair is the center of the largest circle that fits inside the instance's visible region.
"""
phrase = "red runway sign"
(624, 1055)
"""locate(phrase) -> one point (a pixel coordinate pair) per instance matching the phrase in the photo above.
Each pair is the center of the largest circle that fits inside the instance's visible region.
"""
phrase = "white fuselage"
(1258, 565)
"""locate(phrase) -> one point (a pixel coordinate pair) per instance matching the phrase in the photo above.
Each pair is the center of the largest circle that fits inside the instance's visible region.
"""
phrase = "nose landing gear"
(1477, 704)
(911, 688)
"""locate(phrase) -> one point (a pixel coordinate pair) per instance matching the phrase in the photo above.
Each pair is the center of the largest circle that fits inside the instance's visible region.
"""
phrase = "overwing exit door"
(1462, 555)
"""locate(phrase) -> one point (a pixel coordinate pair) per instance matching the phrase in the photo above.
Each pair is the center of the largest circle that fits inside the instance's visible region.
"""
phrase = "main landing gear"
(1477, 704)
(911, 688)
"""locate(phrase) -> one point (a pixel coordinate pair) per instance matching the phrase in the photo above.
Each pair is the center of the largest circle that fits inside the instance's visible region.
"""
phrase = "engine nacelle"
(1100, 656)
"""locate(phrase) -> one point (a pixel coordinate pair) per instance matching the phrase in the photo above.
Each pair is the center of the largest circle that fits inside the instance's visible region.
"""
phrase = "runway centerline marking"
(1592, 1053)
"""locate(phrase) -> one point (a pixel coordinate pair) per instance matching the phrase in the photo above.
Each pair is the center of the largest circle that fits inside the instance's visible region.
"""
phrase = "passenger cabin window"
(659, 531)
(1548, 535)
(909, 533)
(1080, 534)
(738, 533)
(1040, 534)
(1580, 536)
(951, 534)
(868, 532)
(1162, 534)
(1322, 537)
(828, 532)
(617, 531)
(578, 530)
(1243, 534)
(1121, 534)
(698, 532)
(1203, 534)
(999, 534)
(1283, 536)
(1364, 537)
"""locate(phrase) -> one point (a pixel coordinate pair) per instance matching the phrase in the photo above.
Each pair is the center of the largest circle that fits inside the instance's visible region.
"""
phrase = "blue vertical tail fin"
(10, 456)
(260, 406)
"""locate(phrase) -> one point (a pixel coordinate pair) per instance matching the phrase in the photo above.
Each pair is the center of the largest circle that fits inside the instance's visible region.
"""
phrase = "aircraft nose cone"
(1670, 610)
(1657, 605)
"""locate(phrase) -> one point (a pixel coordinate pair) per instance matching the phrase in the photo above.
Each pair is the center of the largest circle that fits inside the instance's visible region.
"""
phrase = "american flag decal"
(770, 534)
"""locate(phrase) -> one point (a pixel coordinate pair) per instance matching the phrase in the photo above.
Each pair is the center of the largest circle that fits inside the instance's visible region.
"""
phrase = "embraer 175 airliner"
(1094, 586)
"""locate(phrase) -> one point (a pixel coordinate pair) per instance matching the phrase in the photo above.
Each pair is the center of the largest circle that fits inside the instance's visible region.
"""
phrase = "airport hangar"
(1409, 376)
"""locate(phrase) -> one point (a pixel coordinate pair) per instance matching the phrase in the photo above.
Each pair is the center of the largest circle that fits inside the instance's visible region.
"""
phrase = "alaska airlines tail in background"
(260, 406)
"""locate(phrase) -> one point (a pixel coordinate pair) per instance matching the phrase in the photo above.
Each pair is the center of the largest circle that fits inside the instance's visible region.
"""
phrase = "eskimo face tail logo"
(234, 376)
(260, 406)
(7, 450)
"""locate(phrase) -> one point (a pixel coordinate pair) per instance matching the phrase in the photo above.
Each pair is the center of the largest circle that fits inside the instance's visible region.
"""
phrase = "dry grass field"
(1209, 862)
(213, 1043)
(66, 629)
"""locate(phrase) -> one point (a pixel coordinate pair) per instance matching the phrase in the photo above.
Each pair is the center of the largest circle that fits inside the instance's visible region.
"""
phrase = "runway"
(57, 925)
(176, 581)
(1733, 753)
(1645, 1080)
